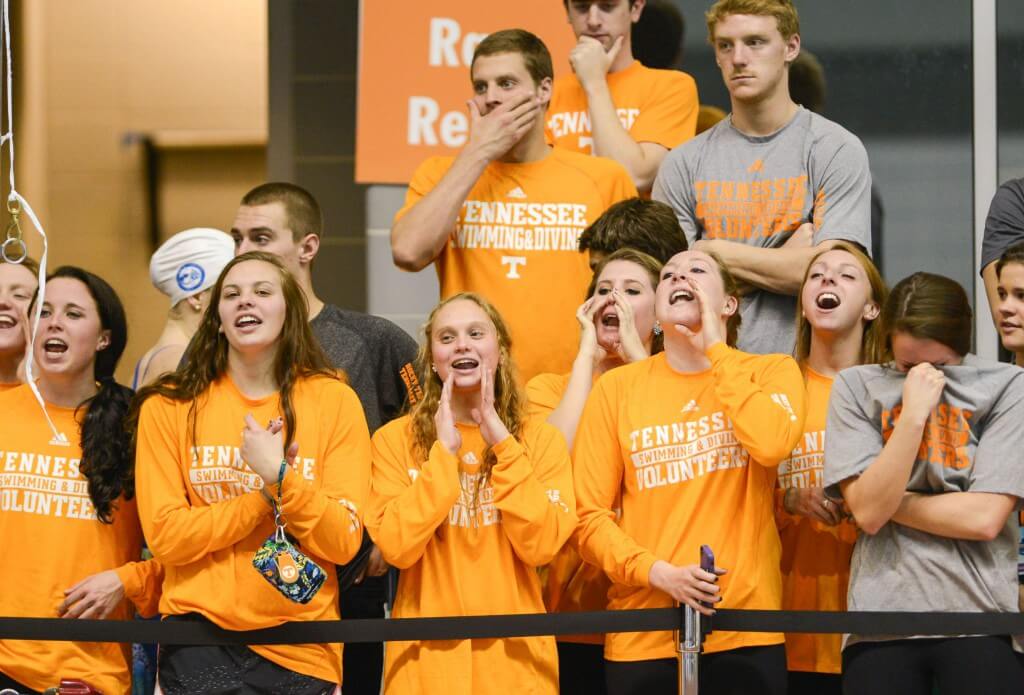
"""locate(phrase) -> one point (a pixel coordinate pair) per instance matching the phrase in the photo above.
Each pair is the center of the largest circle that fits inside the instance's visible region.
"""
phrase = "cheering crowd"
(643, 338)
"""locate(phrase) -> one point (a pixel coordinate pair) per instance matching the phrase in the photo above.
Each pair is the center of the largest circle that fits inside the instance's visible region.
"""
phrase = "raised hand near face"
(710, 323)
(496, 132)
(444, 419)
(492, 428)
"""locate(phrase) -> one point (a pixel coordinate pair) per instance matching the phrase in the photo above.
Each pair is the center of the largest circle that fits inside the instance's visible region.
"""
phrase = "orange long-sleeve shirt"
(466, 549)
(815, 557)
(204, 515)
(569, 583)
(693, 456)
(53, 540)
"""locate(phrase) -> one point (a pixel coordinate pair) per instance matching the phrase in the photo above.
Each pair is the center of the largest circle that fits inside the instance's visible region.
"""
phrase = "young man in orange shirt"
(503, 218)
(612, 105)
(771, 182)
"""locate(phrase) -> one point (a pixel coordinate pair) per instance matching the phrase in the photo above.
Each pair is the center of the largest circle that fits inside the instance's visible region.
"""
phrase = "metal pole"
(690, 643)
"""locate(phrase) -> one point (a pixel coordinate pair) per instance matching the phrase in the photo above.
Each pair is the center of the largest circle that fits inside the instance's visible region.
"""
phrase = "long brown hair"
(299, 355)
(730, 288)
(508, 400)
(872, 344)
(929, 307)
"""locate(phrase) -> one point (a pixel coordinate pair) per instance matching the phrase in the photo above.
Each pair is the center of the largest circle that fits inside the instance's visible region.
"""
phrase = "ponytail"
(107, 452)
(107, 456)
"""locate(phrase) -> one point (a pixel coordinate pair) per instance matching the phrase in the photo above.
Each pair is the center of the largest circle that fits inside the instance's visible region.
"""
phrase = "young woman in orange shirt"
(468, 497)
(250, 521)
(837, 327)
(67, 508)
(617, 327)
(689, 439)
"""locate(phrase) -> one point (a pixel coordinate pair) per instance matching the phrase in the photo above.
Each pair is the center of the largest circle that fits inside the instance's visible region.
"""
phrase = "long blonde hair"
(872, 345)
(508, 400)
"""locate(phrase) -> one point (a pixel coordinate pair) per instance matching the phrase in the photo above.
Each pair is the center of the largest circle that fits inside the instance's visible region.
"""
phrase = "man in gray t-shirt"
(1004, 227)
(971, 444)
(768, 184)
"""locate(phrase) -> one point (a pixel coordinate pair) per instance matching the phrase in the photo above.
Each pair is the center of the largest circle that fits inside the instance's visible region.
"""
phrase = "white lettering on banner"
(423, 128)
(513, 263)
(444, 35)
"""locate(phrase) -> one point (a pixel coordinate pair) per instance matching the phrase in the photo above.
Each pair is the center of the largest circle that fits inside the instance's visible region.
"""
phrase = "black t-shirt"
(377, 356)
(1004, 225)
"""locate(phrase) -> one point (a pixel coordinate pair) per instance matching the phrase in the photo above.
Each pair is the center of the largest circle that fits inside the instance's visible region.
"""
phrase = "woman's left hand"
(630, 346)
(262, 449)
(710, 322)
(492, 429)
(95, 597)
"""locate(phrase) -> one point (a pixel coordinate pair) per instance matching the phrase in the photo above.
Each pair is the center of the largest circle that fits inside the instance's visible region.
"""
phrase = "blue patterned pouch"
(286, 567)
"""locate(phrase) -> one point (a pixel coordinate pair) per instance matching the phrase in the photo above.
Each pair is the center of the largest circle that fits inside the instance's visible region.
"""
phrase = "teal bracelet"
(280, 478)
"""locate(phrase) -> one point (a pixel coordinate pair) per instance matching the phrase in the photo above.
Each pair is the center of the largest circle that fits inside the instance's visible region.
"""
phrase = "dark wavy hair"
(299, 355)
(107, 457)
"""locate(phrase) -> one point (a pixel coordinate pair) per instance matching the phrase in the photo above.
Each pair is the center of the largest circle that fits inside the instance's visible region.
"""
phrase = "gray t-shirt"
(1004, 225)
(724, 184)
(377, 356)
(972, 443)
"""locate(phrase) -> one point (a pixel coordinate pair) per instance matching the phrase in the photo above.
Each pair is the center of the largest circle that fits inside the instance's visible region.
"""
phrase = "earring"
(433, 368)
(657, 328)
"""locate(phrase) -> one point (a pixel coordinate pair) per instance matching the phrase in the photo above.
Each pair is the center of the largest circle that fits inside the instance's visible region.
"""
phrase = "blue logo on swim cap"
(190, 277)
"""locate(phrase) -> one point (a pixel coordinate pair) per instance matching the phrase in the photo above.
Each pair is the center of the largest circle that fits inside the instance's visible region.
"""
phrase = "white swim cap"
(190, 262)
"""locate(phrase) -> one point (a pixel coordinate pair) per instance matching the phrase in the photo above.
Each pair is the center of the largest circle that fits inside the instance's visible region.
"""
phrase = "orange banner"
(414, 58)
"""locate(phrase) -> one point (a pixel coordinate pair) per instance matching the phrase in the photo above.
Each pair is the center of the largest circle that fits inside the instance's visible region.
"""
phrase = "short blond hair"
(783, 11)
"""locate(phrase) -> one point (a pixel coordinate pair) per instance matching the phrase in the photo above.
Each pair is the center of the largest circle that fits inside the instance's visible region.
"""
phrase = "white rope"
(16, 198)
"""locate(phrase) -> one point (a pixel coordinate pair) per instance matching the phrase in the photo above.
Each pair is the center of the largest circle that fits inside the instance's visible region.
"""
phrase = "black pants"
(363, 662)
(229, 670)
(580, 669)
(808, 683)
(914, 666)
(6, 682)
(744, 671)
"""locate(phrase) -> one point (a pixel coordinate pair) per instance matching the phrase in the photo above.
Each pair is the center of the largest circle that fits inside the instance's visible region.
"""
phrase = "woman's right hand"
(444, 420)
(922, 390)
(589, 347)
(688, 584)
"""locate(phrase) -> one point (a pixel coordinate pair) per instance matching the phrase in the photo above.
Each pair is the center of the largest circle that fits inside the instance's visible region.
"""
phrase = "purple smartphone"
(707, 563)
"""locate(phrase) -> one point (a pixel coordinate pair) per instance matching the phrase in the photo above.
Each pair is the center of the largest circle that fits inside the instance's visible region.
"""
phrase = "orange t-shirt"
(53, 540)
(467, 549)
(4, 387)
(569, 583)
(815, 557)
(658, 106)
(204, 516)
(694, 457)
(516, 241)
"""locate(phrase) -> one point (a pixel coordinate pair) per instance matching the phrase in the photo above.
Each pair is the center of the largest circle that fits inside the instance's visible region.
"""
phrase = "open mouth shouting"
(827, 301)
(681, 295)
(54, 347)
(7, 321)
(247, 322)
(610, 319)
(465, 365)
